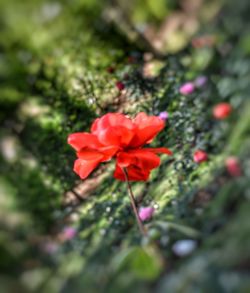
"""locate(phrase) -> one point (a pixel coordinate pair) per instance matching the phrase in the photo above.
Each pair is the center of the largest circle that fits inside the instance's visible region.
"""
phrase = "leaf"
(188, 231)
(144, 263)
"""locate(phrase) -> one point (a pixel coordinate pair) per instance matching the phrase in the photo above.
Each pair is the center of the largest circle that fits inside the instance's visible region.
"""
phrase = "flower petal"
(88, 160)
(84, 167)
(159, 151)
(141, 158)
(116, 136)
(138, 163)
(134, 173)
(113, 129)
(87, 154)
(124, 159)
(147, 127)
(108, 152)
(80, 140)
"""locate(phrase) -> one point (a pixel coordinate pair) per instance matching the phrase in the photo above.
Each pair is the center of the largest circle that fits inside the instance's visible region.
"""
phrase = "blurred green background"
(59, 64)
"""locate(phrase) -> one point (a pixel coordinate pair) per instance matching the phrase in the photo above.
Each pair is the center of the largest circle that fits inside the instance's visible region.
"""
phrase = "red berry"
(233, 166)
(120, 85)
(200, 156)
(222, 110)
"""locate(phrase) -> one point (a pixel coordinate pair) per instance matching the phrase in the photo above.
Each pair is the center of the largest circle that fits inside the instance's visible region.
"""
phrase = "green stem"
(132, 199)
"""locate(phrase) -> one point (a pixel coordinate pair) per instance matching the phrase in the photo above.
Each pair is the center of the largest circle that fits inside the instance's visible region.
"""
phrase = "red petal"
(87, 154)
(108, 152)
(84, 167)
(80, 140)
(113, 129)
(111, 119)
(159, 151)
(104, 153)
(124, 159)
(118, 136)
(88, 160)
(94, 125)
(134, 174)
(141, 158)
(147, 127)
(138, 163)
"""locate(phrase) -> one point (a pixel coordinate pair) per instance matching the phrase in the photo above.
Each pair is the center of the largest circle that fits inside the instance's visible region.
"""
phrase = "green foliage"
(141, 262)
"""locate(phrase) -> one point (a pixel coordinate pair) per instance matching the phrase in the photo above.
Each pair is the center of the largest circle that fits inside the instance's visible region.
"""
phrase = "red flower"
(116, 135)
(200, 156)
(222, 110)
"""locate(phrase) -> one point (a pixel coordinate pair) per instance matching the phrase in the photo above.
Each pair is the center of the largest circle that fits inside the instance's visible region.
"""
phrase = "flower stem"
(132, 199)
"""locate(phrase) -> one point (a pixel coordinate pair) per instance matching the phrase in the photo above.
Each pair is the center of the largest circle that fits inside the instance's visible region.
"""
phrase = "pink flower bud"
(200, 81)
(146, 213)
(187, 88)
(68, 233)
(163, 115)
(200, 156)
(233, 166)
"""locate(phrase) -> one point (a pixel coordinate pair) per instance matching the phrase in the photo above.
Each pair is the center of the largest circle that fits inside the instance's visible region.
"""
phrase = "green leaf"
(144, 263)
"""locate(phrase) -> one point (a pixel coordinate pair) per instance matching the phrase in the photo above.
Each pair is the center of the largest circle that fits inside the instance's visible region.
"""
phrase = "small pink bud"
(200, 156)
(120, 85)
(187, 88)
(200, 81)
(233, 166)
(68, 233)
(163, 115)
(146, 213)
(222, 110)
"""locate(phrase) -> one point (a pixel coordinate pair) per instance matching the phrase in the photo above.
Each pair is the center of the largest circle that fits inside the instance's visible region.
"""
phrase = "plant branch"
(132, 199)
